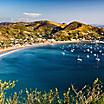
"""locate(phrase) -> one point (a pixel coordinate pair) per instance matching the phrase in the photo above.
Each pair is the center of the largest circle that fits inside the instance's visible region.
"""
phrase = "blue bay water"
(54, 66)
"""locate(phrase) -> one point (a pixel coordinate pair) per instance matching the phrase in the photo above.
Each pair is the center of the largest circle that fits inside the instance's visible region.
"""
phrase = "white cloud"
(32, 14)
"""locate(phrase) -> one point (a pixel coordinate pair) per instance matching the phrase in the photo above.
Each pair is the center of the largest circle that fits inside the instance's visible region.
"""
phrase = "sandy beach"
(10, 50)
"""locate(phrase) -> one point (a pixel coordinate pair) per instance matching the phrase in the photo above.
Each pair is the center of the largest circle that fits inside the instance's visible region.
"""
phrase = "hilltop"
(30, 32)
(77, 30)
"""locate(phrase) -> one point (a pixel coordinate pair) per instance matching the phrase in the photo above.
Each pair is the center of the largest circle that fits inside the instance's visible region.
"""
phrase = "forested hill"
(27, 32)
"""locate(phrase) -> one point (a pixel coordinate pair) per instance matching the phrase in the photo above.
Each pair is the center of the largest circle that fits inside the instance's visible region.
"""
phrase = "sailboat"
(79, 59)
(97, 58)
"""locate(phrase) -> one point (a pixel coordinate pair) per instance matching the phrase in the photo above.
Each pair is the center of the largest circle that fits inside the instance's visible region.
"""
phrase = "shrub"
(86, 95)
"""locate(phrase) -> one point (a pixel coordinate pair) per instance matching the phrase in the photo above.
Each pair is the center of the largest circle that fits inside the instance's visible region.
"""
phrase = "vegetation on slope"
(86, 95)
(77, 30)
(30, 32)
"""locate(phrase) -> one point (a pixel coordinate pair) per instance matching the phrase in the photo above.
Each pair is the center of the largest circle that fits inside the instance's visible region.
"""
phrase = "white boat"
(95, 54)
(88, 50)
(97, 58)
(63, 53)
(79, 59)
(88, 56)
(72, 50)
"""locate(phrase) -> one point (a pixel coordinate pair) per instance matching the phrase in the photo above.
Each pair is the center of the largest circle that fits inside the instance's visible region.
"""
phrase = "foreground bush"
(86, 95)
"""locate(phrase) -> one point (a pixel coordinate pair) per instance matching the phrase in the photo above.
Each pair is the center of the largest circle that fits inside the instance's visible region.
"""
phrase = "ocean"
(51, 66)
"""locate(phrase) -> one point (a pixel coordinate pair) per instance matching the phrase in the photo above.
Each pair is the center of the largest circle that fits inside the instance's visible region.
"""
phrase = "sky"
(63, 11)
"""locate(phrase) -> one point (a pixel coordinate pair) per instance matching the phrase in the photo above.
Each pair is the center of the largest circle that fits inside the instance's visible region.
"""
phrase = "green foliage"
(86, 95)
(23, 33)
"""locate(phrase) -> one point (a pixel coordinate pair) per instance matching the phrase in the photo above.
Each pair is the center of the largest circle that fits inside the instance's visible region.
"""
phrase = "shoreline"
(10, 50)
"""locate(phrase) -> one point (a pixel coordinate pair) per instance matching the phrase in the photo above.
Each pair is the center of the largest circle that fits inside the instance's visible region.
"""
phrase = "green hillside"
(77, 30)
(30, 32)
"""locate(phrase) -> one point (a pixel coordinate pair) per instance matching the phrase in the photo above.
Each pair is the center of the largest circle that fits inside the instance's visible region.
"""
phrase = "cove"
(52, 66)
